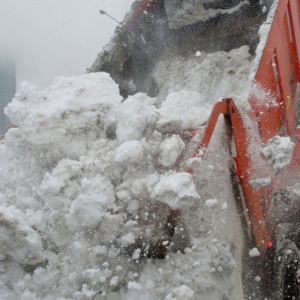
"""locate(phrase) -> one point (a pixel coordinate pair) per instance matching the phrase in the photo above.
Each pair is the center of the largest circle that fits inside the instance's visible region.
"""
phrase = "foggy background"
(48, 38)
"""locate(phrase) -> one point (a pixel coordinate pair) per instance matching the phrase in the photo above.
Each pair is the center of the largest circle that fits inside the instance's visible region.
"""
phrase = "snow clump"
(278, 152)
(254, 252)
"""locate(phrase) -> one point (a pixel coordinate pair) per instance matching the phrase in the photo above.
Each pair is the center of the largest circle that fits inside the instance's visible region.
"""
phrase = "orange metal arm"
(221, 107)
(244, 169)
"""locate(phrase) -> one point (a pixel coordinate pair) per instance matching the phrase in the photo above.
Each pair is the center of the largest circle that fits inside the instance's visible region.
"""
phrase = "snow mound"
(88, 181)
(65, 117)
(82, 176)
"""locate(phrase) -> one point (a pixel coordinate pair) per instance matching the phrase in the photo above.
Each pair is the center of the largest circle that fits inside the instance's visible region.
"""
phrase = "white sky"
(56, 37)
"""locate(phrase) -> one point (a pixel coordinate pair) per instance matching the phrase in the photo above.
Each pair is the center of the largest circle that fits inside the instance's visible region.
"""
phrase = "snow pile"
(86, 177)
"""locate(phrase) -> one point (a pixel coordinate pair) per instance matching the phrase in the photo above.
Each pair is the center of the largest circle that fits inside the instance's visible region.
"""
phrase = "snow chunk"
(132, 285)
(257, 278)
(183, 110)
(139, 115)
(254, 252)
(53, 183)
(127, 239)
(136, 254)
(221, 257)
(114, 281)
(17, 239)
(70, 113)
(129, 153)
(88, 209)
(224, 206)
(176, 189)
(211, 202)
(278, 152)
(261, 182)
(145, 185)
(182, 292)
(169, 150)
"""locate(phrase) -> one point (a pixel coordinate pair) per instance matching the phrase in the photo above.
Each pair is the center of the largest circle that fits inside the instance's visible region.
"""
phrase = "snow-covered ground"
(83, 172)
